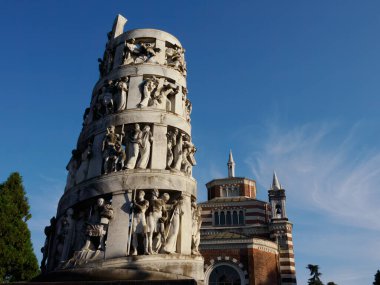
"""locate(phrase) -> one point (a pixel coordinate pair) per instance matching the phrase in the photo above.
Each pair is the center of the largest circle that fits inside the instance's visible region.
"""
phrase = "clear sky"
(288, 85)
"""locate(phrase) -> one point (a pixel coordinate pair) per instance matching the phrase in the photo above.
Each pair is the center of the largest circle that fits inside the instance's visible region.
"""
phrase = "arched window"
(241, 217)
(235, 220)
(222, 218)
(216, 218)
(223, 274)
(228, 218)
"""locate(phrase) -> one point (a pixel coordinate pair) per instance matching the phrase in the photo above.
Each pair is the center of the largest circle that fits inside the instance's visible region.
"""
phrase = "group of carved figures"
(137, 52)
(157, 223)
(111, 98)
(141, 52)
(180, 152)
(83, 236)
(133, 151)
(155, 92)
(154, 227)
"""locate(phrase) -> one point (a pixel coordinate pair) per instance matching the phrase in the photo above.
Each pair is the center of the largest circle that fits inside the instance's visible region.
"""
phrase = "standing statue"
(121, 95)
(109, 150)
(105, 99)
(145, 146)
(134, 142)
(172, 230)
(172, 141)
(49, 232)
(97, 226)
(83, 168)
(120, 156)
(188, 109)
(149, 87)
(72, 167)
(188, 159)
(156, 217)
(150, 52)
(63, 237)
(196, 213)
(139, 208)
(177, 153)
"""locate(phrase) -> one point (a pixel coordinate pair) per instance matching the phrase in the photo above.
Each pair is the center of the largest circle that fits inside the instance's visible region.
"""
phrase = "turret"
(231, 166)
(277, 199)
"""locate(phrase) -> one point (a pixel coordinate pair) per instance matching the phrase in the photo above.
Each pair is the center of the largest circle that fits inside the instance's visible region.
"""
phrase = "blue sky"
(287, 85)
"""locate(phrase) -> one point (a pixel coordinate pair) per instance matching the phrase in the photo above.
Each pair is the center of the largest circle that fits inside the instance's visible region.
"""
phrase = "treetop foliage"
(17, 259)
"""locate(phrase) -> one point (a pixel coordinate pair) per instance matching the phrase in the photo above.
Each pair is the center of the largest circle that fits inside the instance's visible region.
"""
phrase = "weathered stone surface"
(126, 213)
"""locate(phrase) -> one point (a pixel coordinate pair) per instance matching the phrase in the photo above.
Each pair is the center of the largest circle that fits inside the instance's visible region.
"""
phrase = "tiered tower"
(281, 231)
(129, 211)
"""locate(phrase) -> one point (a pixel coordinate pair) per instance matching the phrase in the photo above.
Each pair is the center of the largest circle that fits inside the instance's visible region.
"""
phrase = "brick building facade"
(245, 240)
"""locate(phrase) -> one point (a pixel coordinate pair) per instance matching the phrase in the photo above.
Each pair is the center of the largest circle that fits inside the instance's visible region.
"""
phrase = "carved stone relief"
(175, 58)
(180, 152)
(196, 214)
(156, 92)
(90, 235)
(127, 149)
(111, 98)
(137, 52)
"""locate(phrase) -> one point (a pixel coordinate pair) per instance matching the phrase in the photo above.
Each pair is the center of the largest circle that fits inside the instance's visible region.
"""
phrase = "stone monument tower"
(129, 208)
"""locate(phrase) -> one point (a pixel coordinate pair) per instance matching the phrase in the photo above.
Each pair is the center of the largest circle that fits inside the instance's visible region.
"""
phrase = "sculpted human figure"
(164, 88)
(49, 232)
(72, 167)
(98, 226)
(175, 58)
(109, 150)
(177, 153)
(188, 159)
(139, 208)
(134, 142)
(121, 94)
(120, 156)
(145, 146)
(150, 52)
(196, 213)
(156, 217)
(132, 51)
(85, 158)
(172, 230)
(149, 87)
(105, 98)
(172, 141)
(188, 109)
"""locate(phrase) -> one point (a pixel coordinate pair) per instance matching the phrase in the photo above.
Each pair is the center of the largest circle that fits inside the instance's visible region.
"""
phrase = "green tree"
(17, 259)
(315, 274)
(377, 278)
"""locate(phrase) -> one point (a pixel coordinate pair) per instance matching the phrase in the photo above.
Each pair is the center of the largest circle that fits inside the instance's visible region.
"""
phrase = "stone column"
(134, 91)
(161, 55)
(159, 147)
(118, 229)
(96, 161)
(184, 236)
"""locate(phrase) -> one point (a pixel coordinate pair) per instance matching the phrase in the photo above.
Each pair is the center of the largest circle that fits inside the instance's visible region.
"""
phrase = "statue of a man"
(108, 148)
(145, 146)
(149, 87)
(156, 217)
(134, 142)
(196, 213)
(172, 141)
(121, 94)
(139, 208)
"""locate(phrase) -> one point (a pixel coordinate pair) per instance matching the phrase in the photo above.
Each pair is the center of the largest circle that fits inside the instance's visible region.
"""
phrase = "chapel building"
(245, 240)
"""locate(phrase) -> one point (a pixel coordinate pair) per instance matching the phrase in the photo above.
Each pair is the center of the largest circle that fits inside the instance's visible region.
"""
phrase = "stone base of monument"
(183, 269)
